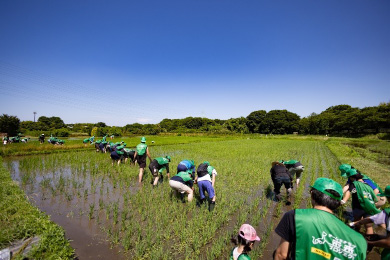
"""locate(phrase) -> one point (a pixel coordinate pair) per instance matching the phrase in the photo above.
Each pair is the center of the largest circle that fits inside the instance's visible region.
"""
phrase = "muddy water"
(71, 208)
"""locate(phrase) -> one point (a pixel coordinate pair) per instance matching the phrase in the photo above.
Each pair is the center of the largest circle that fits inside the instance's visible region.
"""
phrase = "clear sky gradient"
(122, 62)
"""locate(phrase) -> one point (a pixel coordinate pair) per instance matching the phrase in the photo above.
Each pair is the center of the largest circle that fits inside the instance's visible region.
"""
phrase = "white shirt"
(235, 253)
(207, 176)
(380, 218)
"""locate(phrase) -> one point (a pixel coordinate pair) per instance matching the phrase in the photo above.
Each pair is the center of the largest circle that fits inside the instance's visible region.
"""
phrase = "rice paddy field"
(107, 215)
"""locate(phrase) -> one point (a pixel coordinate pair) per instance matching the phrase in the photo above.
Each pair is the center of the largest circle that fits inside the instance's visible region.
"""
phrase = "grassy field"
(147, 223)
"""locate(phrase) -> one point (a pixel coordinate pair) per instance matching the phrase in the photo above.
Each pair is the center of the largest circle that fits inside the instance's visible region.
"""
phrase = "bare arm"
(345, 188)
(362, 221)
(148, 154)
(346, 196)
(213, 180)
(281, 252)
(384, 243)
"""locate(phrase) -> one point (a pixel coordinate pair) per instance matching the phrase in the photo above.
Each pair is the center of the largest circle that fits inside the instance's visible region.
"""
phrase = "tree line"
(342, 120)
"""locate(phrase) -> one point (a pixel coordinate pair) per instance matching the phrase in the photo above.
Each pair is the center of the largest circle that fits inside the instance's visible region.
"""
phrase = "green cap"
(143, 139)
(344, 168)
(168, 157)
(206, 162)
(351, 172)
(323, 184)
(386, 193)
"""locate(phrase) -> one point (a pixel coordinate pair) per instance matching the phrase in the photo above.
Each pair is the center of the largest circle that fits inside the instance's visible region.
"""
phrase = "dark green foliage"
(9, 124)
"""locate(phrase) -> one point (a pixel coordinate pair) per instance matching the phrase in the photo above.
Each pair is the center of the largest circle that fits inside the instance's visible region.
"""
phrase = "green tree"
(256, 121)
(9, 124)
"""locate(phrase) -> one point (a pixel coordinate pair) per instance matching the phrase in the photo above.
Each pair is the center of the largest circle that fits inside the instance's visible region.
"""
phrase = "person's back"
(320, 232)
(317, 233)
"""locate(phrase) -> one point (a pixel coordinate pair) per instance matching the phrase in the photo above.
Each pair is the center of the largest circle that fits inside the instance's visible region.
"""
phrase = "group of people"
(317, 233)
(181, 183)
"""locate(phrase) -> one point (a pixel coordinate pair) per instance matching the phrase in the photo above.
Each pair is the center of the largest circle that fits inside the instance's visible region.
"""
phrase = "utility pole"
(34, 115)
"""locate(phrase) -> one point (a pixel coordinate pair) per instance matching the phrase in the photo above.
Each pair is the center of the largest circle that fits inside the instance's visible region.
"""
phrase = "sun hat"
(323, 184)
(248, 233)
(206, 162)
(386, 193)
(143, 139)
(351, 172)
(344, 168)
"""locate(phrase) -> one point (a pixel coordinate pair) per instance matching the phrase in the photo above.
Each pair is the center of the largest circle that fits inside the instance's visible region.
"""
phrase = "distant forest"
(341, 120)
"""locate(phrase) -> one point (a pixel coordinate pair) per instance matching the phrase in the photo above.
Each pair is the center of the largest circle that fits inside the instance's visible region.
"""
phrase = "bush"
(61, 132)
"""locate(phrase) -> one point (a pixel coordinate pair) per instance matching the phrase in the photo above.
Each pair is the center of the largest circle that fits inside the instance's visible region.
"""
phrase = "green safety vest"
(162, 160)
(367, 198)
(141, 148)
(365, 177)
(321, 235)
(291, 162)
(185, 176)
(210, 169)
(240, 257)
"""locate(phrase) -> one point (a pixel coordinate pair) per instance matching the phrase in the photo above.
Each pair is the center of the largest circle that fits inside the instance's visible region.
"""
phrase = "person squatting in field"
(129, 153)
(186, 166)
(157, 166)
(363, 199)
(42, 138)
(295, 168)
(142, 150)
(118, 154)
(281, 176)
(205, 178)
(317, 233)
(346, 167)
(183, 182)
(382, 218)
(244, 242)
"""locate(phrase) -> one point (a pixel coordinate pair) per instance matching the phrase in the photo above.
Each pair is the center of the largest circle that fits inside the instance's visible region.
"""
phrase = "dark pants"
(278, 183)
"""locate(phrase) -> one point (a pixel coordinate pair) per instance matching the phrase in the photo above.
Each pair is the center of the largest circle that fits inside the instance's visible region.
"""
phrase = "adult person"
(183, 182)
(363, 199)
(317, 233)
(157, 166)
(379, 219)
(244, 242)
(186, 166)
(281, 176)
(346, 167)
(118, 154)
(5, 139)
(41, 138)
(205, 178)
(295, 168)
(129, 153)
(142, 150)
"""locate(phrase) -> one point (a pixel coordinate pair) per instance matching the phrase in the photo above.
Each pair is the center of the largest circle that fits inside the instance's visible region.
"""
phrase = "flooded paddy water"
(80, 203)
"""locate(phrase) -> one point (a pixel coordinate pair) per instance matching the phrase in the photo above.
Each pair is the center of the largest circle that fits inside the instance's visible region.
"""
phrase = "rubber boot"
(200, 203)
(182, 198)
(211, 206)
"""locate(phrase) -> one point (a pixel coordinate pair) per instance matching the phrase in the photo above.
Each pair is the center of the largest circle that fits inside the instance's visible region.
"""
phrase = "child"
(245, 240)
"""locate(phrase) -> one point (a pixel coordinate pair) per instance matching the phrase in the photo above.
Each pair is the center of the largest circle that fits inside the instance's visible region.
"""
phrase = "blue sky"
(122, 62)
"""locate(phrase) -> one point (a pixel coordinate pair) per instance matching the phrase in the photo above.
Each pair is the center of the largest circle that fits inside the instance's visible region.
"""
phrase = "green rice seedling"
(91, 210)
